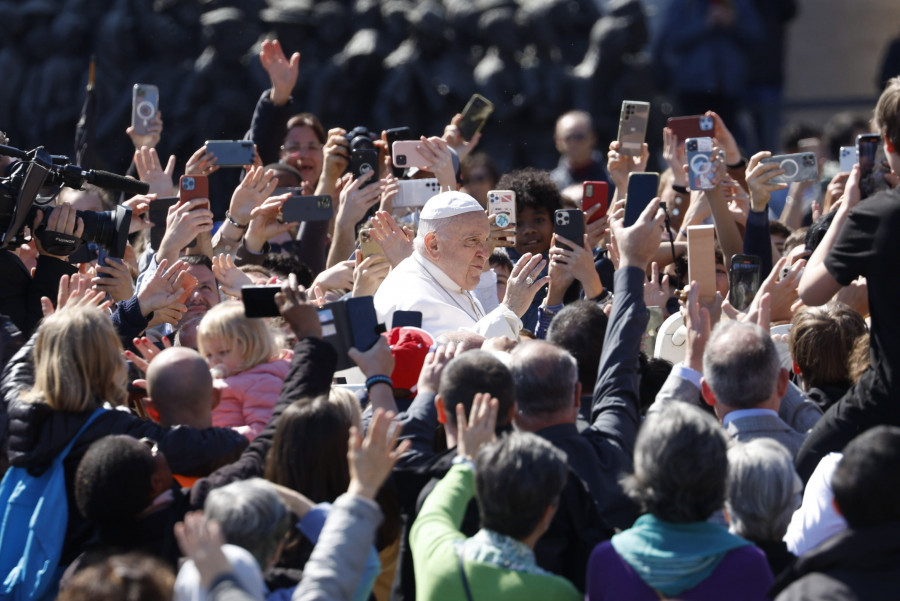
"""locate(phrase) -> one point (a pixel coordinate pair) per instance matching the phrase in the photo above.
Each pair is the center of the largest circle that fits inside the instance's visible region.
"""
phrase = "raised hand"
(150, 170)
(656, 291)
(73, 292)
(147, 352)
(369, 273)
(282, 72)
(759, 176)
(479, 430)
(300, 314)
(257, 186)
(395, 241)
(153, 135)
(524, 282)
(371, 460)
(201, 162)
(186, 220)
(230, 278)
(117, 283)
(264, 224)
(454, 138)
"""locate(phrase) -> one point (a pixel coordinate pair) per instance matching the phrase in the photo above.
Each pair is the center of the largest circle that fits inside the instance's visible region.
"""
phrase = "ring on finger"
(529, 280)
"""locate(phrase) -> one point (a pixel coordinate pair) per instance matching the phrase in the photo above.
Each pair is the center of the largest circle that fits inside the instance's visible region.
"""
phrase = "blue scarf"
(673, 558)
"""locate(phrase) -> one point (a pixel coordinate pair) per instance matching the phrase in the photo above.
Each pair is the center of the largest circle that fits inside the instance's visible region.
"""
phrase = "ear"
(577, 395)
(796, 369)
(707, 393)
(784, 379)
(432, 248)
(837, 507)
(513, 410)
(150, 408)
(441, 410)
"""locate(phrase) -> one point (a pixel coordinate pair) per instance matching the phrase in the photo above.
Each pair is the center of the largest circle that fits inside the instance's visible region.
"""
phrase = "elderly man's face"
(462, 250)
(574, 139)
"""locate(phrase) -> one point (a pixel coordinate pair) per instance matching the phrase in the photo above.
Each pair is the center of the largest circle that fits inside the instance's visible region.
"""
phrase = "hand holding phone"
(594, 194)
(642, 189)
(569, 223)
(144, 106)
(474, 116)
(633, 127)
(744, 280)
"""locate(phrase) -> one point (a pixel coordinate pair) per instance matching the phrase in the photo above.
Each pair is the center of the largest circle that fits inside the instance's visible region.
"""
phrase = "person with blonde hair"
(78, 368)
(247, 365)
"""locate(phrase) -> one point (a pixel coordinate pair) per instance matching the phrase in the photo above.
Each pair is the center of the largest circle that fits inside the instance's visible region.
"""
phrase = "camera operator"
(20, 296)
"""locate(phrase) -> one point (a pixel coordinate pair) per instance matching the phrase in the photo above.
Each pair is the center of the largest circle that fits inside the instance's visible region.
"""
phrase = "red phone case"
(595, 193)
(193, 186)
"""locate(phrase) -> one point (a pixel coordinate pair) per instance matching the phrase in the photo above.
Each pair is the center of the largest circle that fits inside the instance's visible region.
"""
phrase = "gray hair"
(763, 489)
(741, 364)
(426, 226)
(680, 465)
(545, 376)
(251, 515)
(516, 479)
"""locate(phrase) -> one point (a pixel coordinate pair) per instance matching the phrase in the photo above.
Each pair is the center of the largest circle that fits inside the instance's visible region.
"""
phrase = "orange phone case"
(188, 282)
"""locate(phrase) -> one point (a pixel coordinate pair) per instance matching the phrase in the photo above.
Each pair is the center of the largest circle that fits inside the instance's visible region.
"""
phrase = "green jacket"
(432, 541)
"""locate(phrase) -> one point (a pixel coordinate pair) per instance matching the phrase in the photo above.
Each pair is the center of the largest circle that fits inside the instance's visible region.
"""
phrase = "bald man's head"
(180, 386)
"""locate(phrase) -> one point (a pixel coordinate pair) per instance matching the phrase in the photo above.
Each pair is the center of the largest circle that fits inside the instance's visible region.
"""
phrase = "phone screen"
(871, 165)
(642, 189)
(474, 116)
(745, 280)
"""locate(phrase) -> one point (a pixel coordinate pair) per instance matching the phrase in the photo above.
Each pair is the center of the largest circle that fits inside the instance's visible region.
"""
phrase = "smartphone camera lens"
(692, 145)
(401, 159)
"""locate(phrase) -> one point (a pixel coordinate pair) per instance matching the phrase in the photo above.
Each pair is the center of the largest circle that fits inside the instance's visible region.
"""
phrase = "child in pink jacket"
(248, 369)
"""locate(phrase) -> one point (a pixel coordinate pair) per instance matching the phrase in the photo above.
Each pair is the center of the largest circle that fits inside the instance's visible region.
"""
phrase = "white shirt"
(417, 284)
(816, 520)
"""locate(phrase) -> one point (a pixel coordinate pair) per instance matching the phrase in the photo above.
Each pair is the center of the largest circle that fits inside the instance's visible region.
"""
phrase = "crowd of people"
(514, 433)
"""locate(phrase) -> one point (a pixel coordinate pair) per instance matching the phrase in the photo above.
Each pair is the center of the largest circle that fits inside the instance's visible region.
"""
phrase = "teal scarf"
(673, 558)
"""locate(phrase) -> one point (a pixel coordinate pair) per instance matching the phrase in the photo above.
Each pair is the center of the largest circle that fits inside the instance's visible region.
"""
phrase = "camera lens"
(401, 159)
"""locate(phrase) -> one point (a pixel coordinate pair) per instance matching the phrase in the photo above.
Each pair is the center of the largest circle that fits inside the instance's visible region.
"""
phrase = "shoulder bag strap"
(462, 574)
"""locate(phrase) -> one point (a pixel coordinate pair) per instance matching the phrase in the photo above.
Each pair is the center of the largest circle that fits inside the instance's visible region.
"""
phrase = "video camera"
(39, 169)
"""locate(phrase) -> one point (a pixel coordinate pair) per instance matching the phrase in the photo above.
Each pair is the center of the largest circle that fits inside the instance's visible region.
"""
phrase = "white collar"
(444, 280)
(739, 413)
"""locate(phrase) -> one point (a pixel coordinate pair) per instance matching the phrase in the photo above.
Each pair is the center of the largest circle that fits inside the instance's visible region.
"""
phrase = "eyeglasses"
(298, 149)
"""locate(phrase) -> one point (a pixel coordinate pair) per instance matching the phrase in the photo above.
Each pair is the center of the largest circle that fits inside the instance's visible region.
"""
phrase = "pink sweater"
(248, 398)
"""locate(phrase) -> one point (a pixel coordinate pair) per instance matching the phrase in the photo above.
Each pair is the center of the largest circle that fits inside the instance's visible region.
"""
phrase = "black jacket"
(20, 294)
(854, 565)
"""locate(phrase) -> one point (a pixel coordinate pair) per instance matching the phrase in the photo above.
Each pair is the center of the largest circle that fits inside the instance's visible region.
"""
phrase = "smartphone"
(502, 203)
(799, 167)
(642, 188)
(362, 161)
(872, 165)
(699, 157)
(415, 192)
(848, 157)
(405, 154)
(103, 258)
(406, 319)
(259, 301)
(349, 323)
(694, 126)
(593, 194)
(232, 153)
(393, 135)
(744, 280)
(569, 223)
(144, 106)
(368, 244)
(188, 282)
(474, 116)
(633, 127)
(701, 241)
(307, 208)
(157, 214)
(191, 187)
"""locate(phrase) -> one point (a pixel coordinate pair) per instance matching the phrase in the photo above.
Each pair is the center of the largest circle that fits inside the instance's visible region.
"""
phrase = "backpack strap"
(81, 430)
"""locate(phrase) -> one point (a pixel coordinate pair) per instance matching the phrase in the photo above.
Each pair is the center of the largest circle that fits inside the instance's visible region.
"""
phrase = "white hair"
(426, 226)
(763, 489)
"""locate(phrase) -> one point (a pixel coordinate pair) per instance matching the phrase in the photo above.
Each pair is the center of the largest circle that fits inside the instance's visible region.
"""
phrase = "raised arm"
(615, 407)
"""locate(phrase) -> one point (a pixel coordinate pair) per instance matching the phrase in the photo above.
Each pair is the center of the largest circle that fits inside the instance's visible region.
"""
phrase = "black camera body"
(361, 138)
(37, 170)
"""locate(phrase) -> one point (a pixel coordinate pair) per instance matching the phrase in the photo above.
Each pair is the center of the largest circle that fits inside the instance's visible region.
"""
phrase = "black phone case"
(354, 324)
(363, 160)
(157, 214)
(641, 190)
(393, 135)
(231, 153)
(569, 223)
(259, 301)
(307, 208)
